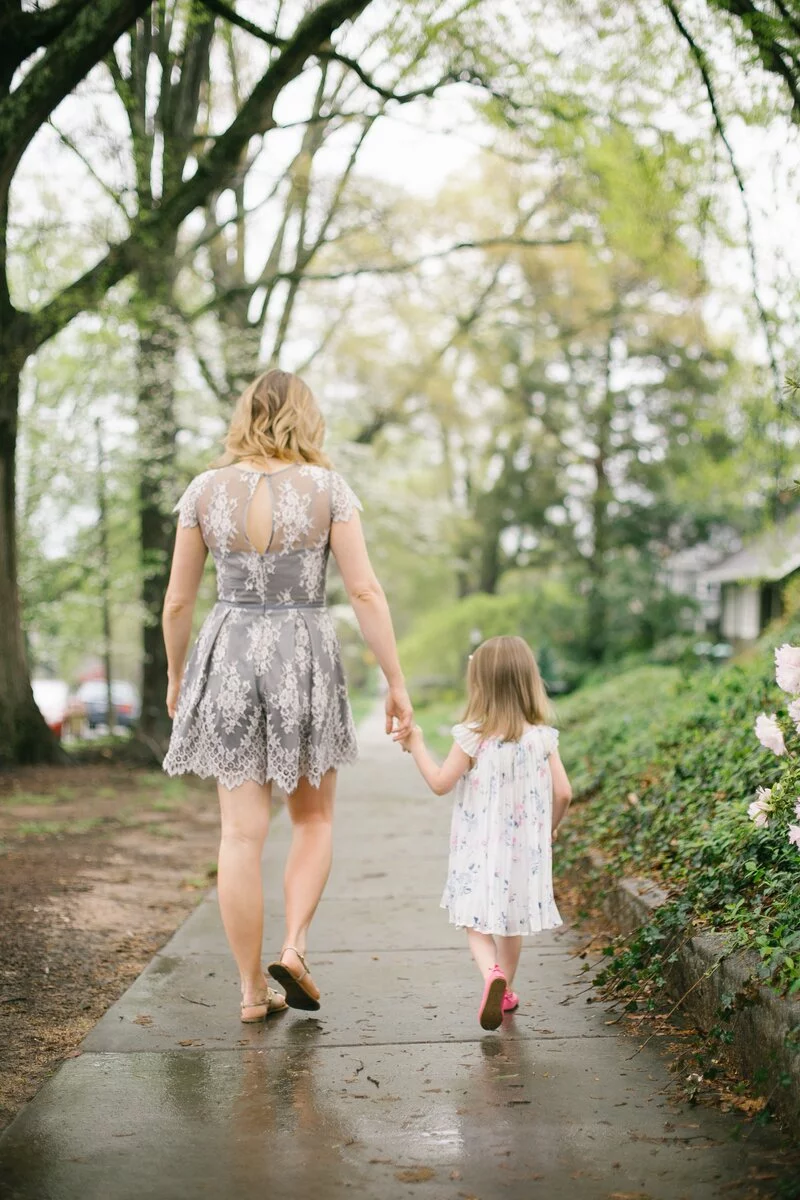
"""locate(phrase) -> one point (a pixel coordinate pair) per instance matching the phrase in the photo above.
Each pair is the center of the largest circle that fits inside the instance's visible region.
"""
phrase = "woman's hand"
(399, 708)
(173, 690)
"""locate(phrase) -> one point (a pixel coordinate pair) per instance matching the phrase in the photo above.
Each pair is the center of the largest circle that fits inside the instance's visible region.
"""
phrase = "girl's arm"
(440, 779)
(372, 613)
(188, 560)
(562, 789)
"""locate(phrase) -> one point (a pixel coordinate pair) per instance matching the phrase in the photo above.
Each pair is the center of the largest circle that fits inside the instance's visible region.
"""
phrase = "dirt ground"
(98, 867)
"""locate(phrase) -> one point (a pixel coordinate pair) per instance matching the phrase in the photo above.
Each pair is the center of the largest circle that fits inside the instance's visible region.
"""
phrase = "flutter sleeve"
(549, 740)
(186, 508)
(344, 501)
(467, 739)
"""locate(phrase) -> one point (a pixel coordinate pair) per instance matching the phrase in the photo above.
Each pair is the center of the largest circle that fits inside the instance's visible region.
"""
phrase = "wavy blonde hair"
(505, 689)
(276, 416)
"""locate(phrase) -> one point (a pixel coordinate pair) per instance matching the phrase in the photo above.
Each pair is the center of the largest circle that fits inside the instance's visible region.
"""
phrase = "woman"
(263, 695)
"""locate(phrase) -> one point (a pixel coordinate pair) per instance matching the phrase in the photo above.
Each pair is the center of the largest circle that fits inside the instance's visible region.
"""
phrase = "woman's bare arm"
(188, 560)
(372, 613)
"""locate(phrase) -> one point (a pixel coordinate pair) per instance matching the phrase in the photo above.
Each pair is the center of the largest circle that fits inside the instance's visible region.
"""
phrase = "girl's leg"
(308, 864)
(245, 820)
(508, 952)
(483, 950)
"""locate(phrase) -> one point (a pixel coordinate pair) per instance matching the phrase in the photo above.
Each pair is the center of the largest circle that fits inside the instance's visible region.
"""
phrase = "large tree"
(76, 36)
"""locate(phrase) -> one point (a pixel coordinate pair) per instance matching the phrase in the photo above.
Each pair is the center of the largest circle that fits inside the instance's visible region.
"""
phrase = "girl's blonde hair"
(505, 689)
(276, 416)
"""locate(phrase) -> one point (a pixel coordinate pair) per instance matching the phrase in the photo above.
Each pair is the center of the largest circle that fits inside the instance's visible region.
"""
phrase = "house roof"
(770, 557)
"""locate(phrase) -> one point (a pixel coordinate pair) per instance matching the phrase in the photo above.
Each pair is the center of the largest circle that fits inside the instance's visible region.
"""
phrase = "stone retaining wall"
(765, 1027)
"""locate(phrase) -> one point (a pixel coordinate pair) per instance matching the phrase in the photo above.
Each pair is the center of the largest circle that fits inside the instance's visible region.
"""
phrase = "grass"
(25, 829)
(30, 799)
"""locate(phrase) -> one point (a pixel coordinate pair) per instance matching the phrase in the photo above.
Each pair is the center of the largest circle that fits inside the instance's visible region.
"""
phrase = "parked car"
(62, 712)
(124, 696)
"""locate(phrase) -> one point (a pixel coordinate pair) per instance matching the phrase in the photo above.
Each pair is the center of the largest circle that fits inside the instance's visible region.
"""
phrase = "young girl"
(511, 795)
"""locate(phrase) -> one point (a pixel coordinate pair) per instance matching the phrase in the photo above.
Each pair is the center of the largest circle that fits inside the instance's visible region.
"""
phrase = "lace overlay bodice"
(305, 500)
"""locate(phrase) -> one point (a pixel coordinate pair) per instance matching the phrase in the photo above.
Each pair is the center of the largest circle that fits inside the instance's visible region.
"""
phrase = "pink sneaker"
(490, 1013)
(510, 1001)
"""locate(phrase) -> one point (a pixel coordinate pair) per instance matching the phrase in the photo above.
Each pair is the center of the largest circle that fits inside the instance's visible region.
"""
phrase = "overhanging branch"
(456, 76)
(397, 268)
(704, 67)
(216, 169)
(71, 55)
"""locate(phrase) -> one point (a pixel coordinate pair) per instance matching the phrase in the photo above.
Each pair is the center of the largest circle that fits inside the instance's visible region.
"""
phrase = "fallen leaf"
(143, 1019)
(415, 1174)
(455, 1174)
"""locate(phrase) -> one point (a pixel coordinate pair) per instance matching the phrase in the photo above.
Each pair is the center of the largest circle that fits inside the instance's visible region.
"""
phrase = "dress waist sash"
(272, 606)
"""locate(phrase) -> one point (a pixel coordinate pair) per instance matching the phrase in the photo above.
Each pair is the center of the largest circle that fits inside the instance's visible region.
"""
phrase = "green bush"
(549, 618)
(664, 767)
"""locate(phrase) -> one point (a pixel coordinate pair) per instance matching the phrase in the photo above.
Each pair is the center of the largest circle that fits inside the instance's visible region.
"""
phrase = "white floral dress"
(500, 876)
(263, 695)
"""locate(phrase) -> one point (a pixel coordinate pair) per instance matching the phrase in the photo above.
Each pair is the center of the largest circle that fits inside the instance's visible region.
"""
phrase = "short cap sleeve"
(344, 501)
(467, 739)
(186, 508)
(549, 740)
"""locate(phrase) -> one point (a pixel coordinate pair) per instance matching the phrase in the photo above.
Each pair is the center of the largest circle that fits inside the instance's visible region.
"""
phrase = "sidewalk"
(392, 1090)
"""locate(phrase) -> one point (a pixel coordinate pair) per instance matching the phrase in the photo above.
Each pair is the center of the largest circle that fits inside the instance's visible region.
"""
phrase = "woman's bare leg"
(508, 952)
(483, 950)
(308, 864)
(244, 813)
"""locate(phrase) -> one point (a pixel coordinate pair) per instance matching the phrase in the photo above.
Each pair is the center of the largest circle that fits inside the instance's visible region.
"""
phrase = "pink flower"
(794, 712)
(768, 732)
(797, 810)
(787, 668)
(760, 809)
(794, 835)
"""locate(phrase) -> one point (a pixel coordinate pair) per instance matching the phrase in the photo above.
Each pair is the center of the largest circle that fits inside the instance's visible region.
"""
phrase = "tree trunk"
(24, 736)
(158, 345)
(597, 617)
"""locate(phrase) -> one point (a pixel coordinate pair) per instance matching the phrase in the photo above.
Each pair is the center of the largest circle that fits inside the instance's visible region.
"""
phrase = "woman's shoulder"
(186, 508)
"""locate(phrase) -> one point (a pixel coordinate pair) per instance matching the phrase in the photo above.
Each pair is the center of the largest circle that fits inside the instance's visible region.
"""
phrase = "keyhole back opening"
(259, 516)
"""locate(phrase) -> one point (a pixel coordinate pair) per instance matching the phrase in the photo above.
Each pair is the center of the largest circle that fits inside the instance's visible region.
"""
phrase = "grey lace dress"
(263, 695)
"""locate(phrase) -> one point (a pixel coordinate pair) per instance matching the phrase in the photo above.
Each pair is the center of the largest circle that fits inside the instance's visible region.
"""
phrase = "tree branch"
(67, 141)
(701, 60)
(26, 32)
(84, 41)
(770, 50)
(214, 170)
(463, 76)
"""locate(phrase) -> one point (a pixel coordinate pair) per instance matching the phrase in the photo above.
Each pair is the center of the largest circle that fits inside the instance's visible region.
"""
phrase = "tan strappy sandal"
(297, 996)
(252, 1014)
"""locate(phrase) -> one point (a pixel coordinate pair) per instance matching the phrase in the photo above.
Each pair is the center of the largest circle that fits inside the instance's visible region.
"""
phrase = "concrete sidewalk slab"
(392, 1090)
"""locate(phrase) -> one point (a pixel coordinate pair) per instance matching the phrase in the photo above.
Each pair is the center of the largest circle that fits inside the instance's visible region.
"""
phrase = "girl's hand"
(400, 709)
(412, 738)
(173, 690)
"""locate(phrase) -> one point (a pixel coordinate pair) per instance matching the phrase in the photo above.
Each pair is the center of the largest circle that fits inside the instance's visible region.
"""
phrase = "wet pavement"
(392, 1090)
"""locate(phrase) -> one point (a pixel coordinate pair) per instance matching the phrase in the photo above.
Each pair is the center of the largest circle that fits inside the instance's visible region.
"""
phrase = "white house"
(684, 574)
(751, 581)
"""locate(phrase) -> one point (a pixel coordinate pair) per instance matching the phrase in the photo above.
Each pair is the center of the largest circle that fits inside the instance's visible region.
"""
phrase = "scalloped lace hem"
(207, 770)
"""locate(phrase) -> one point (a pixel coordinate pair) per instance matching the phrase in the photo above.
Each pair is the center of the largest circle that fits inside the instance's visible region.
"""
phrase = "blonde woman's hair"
(505, 689)
(276, 416)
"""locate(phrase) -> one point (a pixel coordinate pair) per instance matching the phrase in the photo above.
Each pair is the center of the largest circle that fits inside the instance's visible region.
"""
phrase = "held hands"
(399, 709)
(413, 738)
